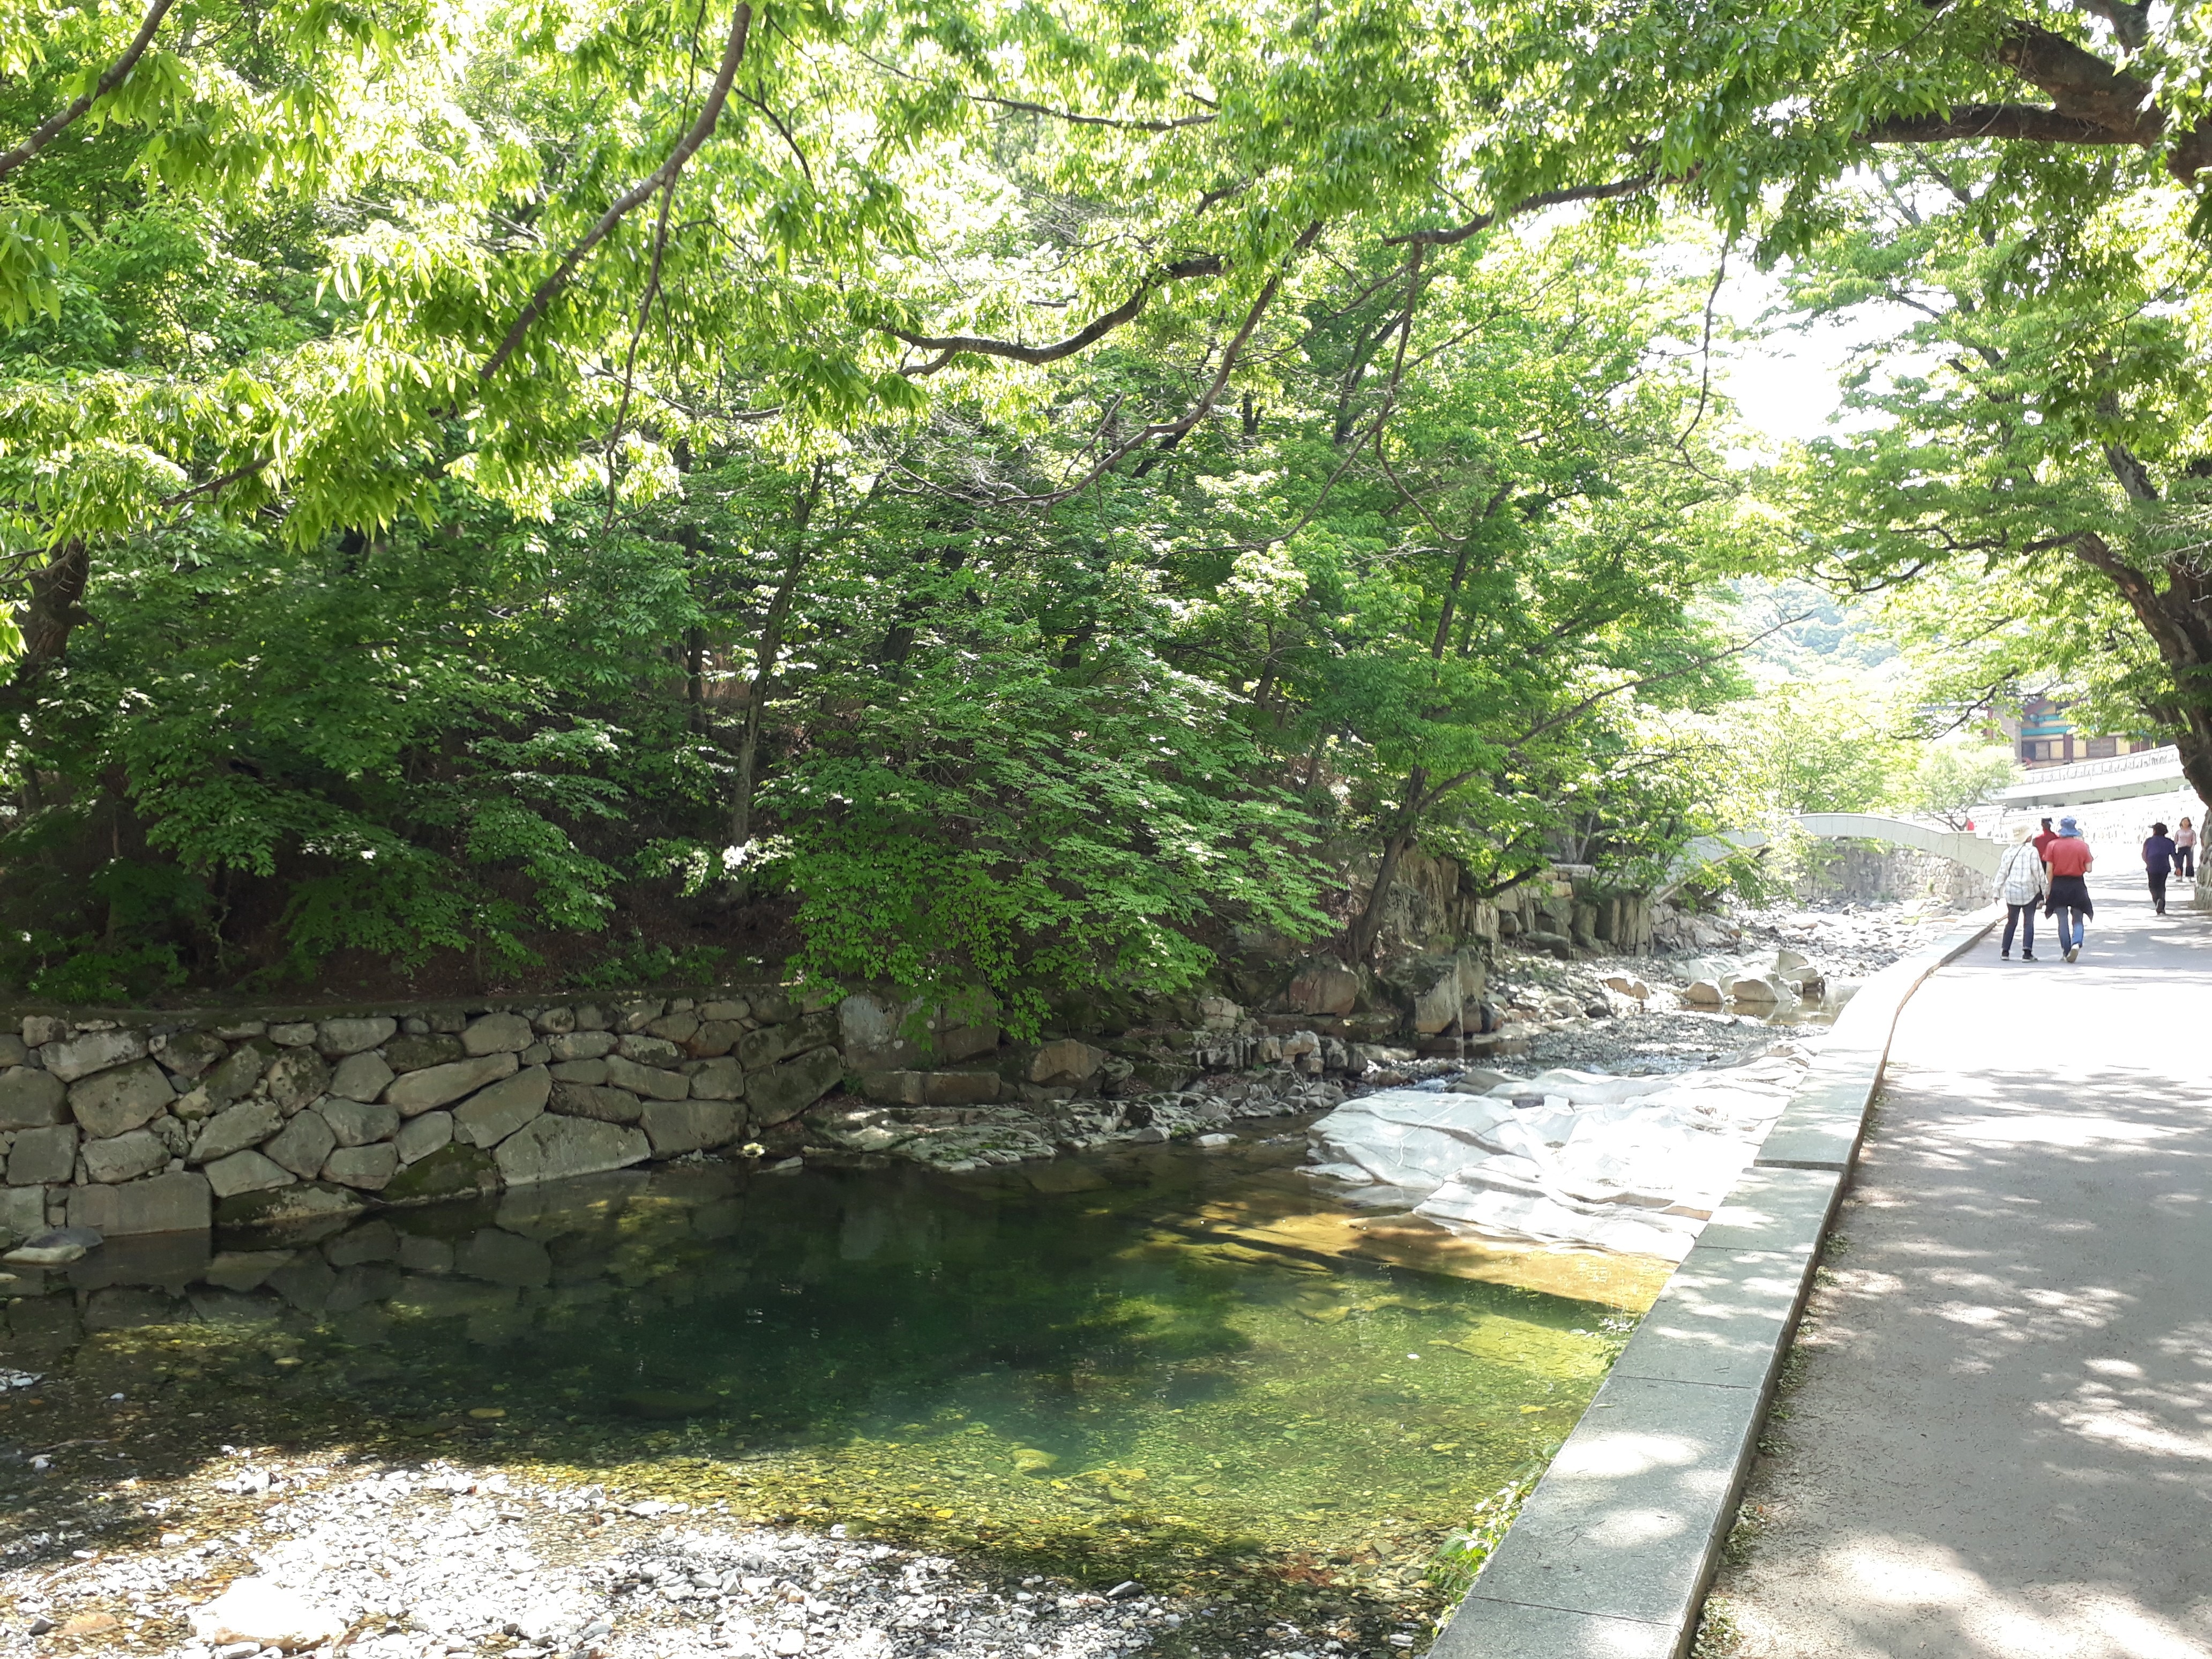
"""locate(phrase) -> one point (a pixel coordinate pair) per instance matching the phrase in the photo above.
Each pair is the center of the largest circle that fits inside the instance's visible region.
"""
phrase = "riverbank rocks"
(551, 1148)
(442, 1085)
(32, 1098)
(118, 1101)
(488, 1116)
(258, 1611)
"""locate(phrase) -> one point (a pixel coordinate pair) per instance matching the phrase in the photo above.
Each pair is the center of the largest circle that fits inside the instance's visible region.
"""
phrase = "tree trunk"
(2180, 622)
(53, 610)
(770, 646)
(1367, 927)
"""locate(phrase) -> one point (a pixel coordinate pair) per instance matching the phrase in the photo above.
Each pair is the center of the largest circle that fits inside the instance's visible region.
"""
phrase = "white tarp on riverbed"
(1634, 1164)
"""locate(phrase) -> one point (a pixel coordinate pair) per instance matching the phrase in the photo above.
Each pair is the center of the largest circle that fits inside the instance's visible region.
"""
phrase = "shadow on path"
(2001, 1441)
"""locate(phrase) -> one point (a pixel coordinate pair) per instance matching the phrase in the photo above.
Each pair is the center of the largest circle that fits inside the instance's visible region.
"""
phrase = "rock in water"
(55, 1247)
(255, 1610)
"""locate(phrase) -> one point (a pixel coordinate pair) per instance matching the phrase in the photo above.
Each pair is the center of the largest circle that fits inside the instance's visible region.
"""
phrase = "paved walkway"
(2001, 1444)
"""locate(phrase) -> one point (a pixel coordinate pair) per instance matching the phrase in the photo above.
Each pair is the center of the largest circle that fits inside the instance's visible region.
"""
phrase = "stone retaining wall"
(160, 1123)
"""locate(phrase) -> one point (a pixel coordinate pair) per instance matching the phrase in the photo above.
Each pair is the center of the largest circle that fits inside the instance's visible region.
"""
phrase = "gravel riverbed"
(436, 1561)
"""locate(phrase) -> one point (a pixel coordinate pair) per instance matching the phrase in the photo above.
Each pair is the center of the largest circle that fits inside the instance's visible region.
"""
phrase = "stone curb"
(1611, 1554)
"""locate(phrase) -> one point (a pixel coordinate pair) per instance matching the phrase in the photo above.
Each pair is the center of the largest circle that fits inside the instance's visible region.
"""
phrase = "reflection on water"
(1162, 1361)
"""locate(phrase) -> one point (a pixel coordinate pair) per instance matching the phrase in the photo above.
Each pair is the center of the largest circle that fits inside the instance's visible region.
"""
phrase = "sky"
(1785, 387)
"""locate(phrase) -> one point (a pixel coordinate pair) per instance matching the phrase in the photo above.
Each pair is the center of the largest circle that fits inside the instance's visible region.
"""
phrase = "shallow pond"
(1167, 1364)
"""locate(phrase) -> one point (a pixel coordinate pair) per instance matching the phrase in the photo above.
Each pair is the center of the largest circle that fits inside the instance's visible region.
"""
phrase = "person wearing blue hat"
(2158, 864)
(2067, 902)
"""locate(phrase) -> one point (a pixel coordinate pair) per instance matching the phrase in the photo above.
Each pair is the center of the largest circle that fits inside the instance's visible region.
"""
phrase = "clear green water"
(1147, 1369)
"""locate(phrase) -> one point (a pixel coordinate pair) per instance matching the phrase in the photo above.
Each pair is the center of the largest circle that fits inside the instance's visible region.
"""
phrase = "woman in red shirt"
(2070, 860)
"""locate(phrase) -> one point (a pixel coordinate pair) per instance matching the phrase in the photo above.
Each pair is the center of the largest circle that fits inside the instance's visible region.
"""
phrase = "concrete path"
(2000, 1441)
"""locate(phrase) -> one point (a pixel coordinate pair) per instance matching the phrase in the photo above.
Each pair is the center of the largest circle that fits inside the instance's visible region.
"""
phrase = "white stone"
(338, 1038)
(297, 1035)
(367, 1167)
(549, 1147)
(256, 1610)
(247, 1124)
(442, 1085)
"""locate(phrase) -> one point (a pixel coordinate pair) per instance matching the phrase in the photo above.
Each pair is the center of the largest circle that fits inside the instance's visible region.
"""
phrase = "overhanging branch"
(949, 346)
(50, 129)
(734, 54)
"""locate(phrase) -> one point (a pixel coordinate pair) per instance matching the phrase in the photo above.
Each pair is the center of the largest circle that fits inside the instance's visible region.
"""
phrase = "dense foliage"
(962, 493)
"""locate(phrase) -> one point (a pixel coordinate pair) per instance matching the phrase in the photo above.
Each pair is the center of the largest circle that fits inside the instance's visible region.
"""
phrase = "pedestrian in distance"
(2184, 850)
(2043, 840)
(2067, 900)
(2021, 880)
(2158, 864)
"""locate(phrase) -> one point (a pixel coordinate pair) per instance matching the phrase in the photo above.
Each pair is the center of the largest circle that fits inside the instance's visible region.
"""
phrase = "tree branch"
(1124, 124)
(733, 54)
(1542, 199)
(2030, 123)
(950, 345)
(47, 130)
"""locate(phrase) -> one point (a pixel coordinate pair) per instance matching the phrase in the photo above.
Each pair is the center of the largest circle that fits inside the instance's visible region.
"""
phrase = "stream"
(1181, 1365)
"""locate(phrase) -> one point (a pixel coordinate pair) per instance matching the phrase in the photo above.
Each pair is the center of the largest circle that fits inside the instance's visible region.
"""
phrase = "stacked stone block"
(168, 1125)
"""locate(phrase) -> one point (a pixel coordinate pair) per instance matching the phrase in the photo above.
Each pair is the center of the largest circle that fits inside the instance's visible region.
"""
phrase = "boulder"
(550, 1148)
(339, 1038)
(1322, 988)
(718, 1079)
(416, 1054)
(303, 1144)
(233, 1079)
(256, 1610)
(931, 1088)
(115, 1101)
(421, 1136)
(247, 1124)
(23, 1210)
(453, 1171)
(442, 1085)
(583, 1045)
(95, 1051)
(245, 1172)
(713, 1038)
(1065, 1061)
(496, 1034)
(880, 1035)
(772, 1043)
(674, 1126)
(355, 1124)
(303, 1200)
(650, 1051)
(361, 1077)
(646, 1079)
(178, 1202)
(1628, 985)
(674, 1028)
(488, 1116)
(125, 1157)
(605, 1105)
(1704, 993)
(636, 1016)
(188, 1054)
(781, 1092)
(14, 1051)
(1761, 991)
(589, 1073)
(31, 1099)
(45, 1154)
(368, 1168)
(296, 1077)
(291, 1033)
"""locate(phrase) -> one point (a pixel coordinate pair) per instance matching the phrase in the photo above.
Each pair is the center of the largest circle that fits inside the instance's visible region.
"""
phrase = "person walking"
(2021, 879)
(2184, 851)
(2158, 864)
(2043, 840)
(2067, 900)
